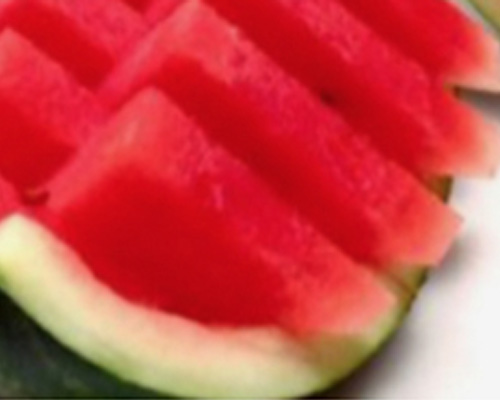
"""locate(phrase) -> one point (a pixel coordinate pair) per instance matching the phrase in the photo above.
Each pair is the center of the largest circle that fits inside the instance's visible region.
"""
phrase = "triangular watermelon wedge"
(164, 198)
(436, 33)
(247, 103)
(116, 335)
(306, 277)
(45, 113)
(407, 113)
(97, 31)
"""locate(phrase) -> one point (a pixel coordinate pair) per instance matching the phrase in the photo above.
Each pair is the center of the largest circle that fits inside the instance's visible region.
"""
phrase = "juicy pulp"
(348, 65)
(150, 197)
(289, 137)
(435, 33)
(45, 114)
(8, 199)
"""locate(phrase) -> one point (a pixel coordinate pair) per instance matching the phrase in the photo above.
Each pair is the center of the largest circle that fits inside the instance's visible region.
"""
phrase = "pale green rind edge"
(159, 352)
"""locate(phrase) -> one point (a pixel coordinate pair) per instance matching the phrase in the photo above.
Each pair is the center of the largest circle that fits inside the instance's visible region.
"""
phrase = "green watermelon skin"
(98, 32)
(234, 92)
(34, 365)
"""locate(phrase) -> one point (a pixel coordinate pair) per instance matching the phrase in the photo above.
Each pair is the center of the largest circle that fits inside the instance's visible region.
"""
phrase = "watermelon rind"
(156, 350)
(34, 274)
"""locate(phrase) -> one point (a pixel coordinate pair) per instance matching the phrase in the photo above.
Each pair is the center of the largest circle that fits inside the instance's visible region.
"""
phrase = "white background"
(449, 348)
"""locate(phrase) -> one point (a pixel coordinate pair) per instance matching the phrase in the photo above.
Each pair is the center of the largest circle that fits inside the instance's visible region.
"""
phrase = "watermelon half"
(182, 212)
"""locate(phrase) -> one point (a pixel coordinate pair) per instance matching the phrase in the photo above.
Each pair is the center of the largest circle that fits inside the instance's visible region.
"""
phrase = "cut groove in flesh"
(96, 31)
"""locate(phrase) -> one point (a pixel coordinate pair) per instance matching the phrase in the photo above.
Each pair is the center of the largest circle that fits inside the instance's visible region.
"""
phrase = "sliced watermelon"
(218, 236)
(157, 350)
(267, 119)
(435, 33)
(376, 87)
(150, 198)
(96, 31)
(44, 113)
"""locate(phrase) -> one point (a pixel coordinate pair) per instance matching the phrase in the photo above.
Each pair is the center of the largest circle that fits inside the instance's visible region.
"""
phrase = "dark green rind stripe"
(33, 365)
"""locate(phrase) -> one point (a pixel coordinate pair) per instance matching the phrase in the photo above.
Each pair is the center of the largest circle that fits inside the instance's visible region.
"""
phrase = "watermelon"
(183, 213)
(193, 201)
(407, 114)
(435, 32)
(271, 113)
(199, 203)
(96, 31)
(45, 114)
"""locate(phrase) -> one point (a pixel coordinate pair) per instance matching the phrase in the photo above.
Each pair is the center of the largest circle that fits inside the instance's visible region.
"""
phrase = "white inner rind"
(156, 350)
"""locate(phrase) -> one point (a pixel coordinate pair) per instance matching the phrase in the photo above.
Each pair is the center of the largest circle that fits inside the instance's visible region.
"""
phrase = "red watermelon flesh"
(140, 5)
(160, 9)
(8, 199)
(44, 113)
(96, 31)
(170, 219)
(454, 116)
(369, 81)
(434, 32)
(367, 204)
(154, 10)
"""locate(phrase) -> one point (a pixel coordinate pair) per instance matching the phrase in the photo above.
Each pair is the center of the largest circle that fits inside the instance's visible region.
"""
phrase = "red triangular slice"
(364, 202)
(85, 36)
(434, 32)
(167, 218)
(374, 85)
(44, 113)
